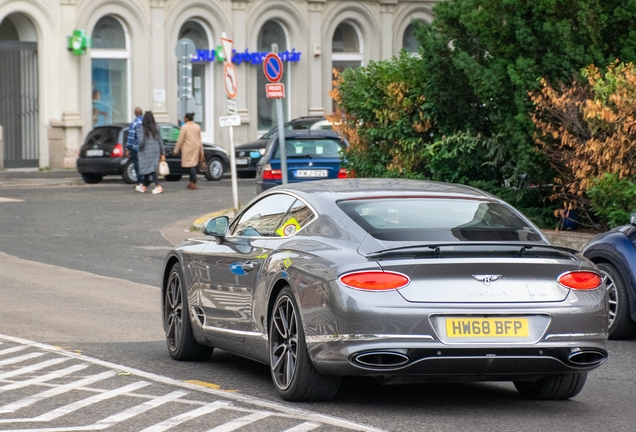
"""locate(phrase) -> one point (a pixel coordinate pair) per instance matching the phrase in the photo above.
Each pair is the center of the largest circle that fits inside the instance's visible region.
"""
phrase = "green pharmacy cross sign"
(79, 42)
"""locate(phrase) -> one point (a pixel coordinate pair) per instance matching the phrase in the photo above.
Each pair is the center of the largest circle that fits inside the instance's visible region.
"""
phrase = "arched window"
(346, 47)
(109, 72)
(272, 32)
(410, 43)
(8, 32)
(194, 31)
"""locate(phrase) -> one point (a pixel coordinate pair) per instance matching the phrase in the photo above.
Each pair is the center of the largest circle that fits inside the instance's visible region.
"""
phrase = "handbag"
(202, 163)
(164, 169)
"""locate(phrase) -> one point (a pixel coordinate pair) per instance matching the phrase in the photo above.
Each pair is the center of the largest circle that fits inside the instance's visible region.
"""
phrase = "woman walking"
(191, 148)
(151, 150)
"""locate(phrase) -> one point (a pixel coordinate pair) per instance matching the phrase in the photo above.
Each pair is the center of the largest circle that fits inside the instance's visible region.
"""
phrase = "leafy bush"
(613, 199)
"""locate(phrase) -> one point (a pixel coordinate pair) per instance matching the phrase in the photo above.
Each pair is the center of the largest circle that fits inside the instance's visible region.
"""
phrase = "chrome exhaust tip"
(587, 357)
(381, 359)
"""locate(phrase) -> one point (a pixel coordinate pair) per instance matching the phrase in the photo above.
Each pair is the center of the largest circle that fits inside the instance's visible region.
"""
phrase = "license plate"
(487, 327)
(312, 173)
(242, 161)
(94, 152)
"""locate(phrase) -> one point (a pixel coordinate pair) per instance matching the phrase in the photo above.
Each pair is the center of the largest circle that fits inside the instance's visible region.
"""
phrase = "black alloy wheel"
(92, 178)
(214, 169)
(294, 376)
(553, 387)
(620, 322)
(129, 175)
(179, 337)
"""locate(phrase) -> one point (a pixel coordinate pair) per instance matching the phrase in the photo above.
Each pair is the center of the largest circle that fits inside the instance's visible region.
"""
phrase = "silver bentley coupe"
(393, 279)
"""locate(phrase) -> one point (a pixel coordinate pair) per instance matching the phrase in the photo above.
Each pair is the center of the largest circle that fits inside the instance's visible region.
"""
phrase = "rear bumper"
(105, 166)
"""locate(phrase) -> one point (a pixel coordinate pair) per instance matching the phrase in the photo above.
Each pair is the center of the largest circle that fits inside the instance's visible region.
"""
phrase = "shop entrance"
(19, 92)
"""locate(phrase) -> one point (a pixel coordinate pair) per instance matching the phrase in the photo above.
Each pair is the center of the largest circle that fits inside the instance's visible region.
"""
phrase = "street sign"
(273, 67)
(233, 120)
(231, 80)
(275, 90)
(232, 107)
(227, 48)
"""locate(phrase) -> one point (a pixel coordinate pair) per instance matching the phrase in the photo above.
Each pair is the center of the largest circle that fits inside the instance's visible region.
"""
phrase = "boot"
(195, 186)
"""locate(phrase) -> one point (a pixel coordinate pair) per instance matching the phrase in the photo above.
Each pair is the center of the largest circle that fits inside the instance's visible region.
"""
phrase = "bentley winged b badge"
(486, 279)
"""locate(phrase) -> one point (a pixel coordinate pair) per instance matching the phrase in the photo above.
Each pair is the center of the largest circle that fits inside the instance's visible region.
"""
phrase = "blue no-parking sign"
(273, 67)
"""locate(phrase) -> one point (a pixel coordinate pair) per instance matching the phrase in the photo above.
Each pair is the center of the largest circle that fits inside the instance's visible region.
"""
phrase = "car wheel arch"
(625, 275)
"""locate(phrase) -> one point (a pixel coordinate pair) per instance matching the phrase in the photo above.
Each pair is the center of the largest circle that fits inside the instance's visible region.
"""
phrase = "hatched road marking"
(46, 381)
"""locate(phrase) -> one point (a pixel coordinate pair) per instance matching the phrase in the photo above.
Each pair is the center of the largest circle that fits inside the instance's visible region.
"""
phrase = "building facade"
(50, 96)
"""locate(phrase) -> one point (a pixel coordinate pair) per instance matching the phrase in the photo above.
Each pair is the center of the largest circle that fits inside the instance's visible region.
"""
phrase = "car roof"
(308, 133)
(359, 188)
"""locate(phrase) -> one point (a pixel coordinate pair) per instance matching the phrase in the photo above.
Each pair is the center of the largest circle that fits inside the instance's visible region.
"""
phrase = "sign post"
(230, 78)
(185, 50)
(273, 69)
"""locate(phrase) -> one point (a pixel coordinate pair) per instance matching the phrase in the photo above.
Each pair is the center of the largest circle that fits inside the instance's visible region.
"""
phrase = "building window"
(109, 72)
(197, 34)
(410, 43)
(346, 47)
(271, 33)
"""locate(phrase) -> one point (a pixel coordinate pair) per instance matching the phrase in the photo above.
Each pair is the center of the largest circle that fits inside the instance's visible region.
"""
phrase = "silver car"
(393, 279)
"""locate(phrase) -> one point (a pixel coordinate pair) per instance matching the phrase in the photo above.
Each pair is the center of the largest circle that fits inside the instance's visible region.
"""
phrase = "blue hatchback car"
(614, 252)
(311, 155)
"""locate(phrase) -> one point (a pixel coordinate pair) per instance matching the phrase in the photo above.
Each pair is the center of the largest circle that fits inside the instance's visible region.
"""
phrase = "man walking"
(132, 144)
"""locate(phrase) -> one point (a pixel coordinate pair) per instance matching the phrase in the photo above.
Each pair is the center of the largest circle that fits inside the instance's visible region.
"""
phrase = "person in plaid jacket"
(132, 144)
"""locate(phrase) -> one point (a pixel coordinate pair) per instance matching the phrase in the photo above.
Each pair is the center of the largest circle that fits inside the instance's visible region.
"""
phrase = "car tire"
(129, 175)
(289, 356)
(214, 169)
(621, 325)
(553, 387)
(92, 178)
(173, 177)
(179, 337)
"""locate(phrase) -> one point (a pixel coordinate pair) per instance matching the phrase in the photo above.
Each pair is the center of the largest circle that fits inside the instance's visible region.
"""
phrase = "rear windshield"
(432, 219)
(102, 135)
(321, 148)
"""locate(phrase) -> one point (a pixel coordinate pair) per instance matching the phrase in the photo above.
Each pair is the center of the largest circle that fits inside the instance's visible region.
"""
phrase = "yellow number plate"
(486, 327)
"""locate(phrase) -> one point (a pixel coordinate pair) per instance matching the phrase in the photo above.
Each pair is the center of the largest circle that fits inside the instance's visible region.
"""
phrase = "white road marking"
(12, 350)
(304, 427)
(48, 377)
(56, 391)
(19, 359)
(280, 409)
(240, 422)
(8, 200)
(182, 418)
(32, 368)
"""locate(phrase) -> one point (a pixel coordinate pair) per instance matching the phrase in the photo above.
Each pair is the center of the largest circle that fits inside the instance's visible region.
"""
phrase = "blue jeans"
(134, 155)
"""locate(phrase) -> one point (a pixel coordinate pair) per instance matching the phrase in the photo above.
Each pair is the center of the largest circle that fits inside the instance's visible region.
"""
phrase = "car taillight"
(270, 174)
(118, 151)
(581, 280)
(342, 173)
(375, 280)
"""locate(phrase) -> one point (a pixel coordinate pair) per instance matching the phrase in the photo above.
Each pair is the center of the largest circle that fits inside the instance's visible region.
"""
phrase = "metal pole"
(233, 171)
(281, 139)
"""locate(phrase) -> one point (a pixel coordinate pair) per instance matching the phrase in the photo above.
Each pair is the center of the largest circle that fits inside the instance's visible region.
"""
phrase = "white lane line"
(283, 409)
(28, 401)
(19, 359)
(8, 200)
(48, 377)
(303, 427)
(182, 418)
(114, 419)
(32, 368)
(59, 412)
(12, 350)
(240, 422)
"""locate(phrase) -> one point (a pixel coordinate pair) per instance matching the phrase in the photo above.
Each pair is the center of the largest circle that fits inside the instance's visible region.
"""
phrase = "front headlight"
(262, 151)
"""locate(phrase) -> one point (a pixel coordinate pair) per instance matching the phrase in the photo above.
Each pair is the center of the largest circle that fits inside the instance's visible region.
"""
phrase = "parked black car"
(103, 153)
(248, 154)
(614, 252)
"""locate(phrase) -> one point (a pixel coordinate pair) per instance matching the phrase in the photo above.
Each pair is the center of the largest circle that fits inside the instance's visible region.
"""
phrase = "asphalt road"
(81, 265)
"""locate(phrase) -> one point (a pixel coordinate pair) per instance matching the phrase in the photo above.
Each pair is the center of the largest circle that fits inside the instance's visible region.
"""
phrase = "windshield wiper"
(437, 247)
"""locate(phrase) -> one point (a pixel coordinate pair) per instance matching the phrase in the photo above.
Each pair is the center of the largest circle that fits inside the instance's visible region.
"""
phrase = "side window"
(298, 216)
(264, 217)
(169, 134)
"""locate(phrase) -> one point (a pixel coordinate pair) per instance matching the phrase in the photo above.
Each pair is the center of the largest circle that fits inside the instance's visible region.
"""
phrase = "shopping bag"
(164, 169)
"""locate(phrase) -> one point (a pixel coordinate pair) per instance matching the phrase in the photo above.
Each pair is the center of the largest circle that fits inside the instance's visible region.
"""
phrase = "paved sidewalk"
(35, 178)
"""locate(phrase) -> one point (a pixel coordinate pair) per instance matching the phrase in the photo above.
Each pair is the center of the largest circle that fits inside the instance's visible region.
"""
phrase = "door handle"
(248, 266)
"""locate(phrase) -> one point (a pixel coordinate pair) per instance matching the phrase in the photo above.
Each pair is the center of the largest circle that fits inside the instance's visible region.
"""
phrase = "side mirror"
(217, 226)
(632, 220)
